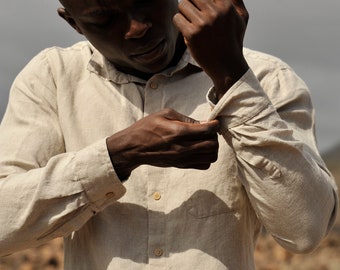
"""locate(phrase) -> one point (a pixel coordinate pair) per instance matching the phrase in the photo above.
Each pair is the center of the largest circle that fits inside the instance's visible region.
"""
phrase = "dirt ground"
(268, 255)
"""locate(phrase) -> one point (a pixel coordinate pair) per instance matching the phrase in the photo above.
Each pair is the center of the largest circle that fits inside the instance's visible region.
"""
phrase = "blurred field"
(268, 255)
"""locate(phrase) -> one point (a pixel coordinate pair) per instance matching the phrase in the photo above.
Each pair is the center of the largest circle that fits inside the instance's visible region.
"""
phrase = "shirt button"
(153, 85)
(109, 195)
(157, 196)
(158, 252)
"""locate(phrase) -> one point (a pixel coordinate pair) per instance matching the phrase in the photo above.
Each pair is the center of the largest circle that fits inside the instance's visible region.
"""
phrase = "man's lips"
(147, 49)
(150, 53)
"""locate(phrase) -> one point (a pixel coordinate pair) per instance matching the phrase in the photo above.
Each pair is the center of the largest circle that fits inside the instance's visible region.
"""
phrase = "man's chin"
(148, 69)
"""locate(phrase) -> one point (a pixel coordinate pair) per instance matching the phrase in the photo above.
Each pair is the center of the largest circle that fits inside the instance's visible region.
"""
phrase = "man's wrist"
(119, 163)
(224, 82)
(122, 173)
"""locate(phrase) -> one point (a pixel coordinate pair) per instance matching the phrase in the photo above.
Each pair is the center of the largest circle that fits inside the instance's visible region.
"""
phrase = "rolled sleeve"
(279, 164)
(244, 100)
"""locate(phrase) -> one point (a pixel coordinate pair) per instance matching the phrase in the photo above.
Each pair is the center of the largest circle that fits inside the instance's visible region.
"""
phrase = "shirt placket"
(154, 95)
(157, 250)
(157, 247)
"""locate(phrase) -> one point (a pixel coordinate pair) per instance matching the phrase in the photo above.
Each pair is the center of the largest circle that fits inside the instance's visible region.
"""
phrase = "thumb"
(214, 124)
(171, 114)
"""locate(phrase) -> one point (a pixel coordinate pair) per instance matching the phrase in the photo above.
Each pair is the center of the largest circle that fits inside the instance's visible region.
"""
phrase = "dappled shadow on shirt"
(201, 223)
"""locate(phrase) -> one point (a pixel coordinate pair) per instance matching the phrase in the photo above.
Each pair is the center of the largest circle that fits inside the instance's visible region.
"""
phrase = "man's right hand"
(164, 139)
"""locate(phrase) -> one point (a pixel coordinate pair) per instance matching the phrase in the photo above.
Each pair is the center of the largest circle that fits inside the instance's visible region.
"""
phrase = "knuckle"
(204, 166)
(182, 5)
(215, 157)
(201, 23)
(179, 151)
(167, 111)
(214, 144)
(182, 130)
(212, 15)
(245, 15)
(227, 7)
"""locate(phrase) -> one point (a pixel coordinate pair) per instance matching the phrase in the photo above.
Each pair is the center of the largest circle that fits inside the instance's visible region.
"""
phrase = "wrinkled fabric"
(56, 178)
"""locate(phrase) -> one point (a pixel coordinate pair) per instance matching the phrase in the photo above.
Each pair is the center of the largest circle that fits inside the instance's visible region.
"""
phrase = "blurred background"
(304, 33)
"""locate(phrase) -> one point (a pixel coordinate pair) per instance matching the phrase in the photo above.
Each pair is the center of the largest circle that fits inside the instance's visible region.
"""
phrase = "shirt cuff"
(99, 180)
(241, 102)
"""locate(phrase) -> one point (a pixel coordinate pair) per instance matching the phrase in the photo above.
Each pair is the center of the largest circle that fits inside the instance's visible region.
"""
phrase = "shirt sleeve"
(44, 191)
(288, 184)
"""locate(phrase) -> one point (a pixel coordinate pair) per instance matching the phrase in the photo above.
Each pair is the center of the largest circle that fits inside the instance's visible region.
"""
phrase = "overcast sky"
(304, 33)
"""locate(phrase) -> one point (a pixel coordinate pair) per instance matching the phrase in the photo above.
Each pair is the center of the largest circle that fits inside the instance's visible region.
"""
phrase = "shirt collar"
(99, 65)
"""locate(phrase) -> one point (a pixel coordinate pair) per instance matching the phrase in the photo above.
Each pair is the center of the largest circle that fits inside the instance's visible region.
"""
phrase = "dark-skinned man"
(160, 143)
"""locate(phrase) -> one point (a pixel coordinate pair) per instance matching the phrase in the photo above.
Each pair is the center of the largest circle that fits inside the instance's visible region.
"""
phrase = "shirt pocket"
(214, 192)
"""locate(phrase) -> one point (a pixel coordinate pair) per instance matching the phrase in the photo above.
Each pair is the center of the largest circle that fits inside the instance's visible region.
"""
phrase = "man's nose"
(137, 29)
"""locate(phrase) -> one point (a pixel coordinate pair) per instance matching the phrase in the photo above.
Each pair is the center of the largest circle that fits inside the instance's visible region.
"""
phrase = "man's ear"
(63, 13)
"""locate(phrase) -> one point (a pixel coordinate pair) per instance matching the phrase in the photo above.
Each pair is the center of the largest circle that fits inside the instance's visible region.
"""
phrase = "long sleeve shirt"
(57, 180)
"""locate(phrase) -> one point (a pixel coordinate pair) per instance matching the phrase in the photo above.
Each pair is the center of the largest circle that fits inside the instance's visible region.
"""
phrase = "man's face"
(135, 35)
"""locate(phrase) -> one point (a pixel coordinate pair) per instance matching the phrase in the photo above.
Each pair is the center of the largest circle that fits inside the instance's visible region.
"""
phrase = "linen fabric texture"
(56, 178)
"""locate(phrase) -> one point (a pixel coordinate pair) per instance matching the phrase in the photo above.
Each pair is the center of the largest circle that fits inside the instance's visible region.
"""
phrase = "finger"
(189, 11)
(199, 131)
(171, 114)
(211, 126)
(188, 161)
(239, 4)
(202, 146)
(187, 135)
(198, 160)
(241, 9)
(203, 4)
(185, 126)
(185, 154)
(199, 166)
(182, 24)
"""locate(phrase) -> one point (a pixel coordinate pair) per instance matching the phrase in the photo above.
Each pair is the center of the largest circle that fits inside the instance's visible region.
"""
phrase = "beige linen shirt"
(56, 178)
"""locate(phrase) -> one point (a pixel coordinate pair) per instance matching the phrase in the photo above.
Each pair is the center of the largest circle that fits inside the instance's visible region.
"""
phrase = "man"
(161, 143)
